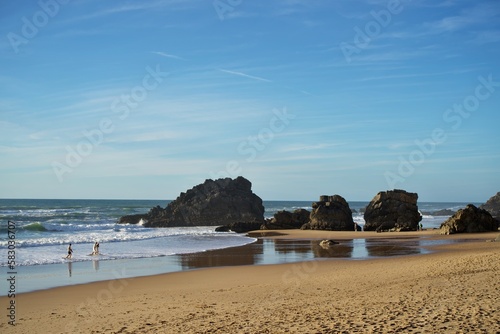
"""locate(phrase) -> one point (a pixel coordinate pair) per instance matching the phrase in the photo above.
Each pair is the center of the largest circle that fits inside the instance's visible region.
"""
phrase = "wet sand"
(452, 289)
(270, 248)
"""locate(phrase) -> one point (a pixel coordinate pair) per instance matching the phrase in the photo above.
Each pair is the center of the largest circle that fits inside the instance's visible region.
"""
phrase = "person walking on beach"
(355, 227)
(70, 252)
(95, 250)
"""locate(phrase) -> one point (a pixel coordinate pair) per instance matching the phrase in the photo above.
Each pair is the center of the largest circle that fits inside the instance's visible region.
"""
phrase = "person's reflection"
(70, 268)
(95, 264)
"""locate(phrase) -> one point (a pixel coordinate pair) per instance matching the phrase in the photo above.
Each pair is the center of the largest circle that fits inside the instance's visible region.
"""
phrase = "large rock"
(132, 219)
(287, 220)
(469, 220)
(213, 203)
(392, 210)
(330, 213)
(493, 206)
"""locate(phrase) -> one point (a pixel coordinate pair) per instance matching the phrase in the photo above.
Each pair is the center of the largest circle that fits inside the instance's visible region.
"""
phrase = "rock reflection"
(273, 251)
(380, 248)
(244, 255)
(343, 249)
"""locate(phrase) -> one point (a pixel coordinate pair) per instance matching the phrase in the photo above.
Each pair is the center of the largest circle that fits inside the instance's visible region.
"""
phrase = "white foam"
(122, 242)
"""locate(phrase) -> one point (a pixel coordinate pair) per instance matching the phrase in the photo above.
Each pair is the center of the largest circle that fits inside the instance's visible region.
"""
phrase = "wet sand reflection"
(274, 251)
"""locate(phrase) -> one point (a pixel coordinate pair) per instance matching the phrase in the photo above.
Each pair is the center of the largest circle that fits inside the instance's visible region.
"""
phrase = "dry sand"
(453, 290)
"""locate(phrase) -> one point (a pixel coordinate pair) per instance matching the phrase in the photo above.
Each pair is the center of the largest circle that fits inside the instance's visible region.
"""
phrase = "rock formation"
(213, 203)
(328, 243)
(287, 220)
(493, 206)
(392, 210)
(442, 212)
(469, 220)
(132, 219)
(330, 213)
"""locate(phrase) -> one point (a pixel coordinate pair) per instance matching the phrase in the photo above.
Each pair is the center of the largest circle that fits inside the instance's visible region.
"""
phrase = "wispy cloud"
(485, 37)
(449, 24)
(167, 55)
(312, 147)
(414, 75)
(241, 74)
(480, 15)
(149, 5)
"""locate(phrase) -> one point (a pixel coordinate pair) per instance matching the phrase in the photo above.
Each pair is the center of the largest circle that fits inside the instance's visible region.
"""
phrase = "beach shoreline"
(320, 295)
(268, 247)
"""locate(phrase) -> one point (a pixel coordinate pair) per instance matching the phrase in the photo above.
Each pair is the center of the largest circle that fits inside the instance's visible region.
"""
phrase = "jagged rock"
(223, 228)
(132, 219)
(213, 203)
(493, 206)
(392, 210)
(287, 220)
(240, 227)
(469, 220)
(330, 213)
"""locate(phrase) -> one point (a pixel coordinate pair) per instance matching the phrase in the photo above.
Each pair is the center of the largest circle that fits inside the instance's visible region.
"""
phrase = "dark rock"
(392, 210)
(469, 220)
(213, 203)
(287, 220)
(493, 206)
(224, 228)
(240, 227)
(330, 213)
(328, 243)
(132, 219)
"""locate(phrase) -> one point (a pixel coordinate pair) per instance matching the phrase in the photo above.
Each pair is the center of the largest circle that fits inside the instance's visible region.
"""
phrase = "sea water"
(44, 228)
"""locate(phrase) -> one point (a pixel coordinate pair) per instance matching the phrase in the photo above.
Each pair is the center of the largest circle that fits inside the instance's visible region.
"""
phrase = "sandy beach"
(453, 289)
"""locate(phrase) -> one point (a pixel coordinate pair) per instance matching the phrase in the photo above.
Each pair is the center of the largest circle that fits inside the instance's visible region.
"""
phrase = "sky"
(146, 99)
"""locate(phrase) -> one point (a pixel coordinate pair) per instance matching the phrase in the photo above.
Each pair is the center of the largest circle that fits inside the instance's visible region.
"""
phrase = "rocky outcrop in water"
(331, 213)
(469, 220)
(132, 219)
(442, 212)
(287, 220)
(212, 203)
(493, 206)
(395, 210)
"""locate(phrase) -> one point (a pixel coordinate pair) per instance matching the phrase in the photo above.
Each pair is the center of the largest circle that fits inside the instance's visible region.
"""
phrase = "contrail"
(245, 75)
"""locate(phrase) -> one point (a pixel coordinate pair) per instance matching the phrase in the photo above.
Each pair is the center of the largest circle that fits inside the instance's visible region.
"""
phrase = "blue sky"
(145, 99)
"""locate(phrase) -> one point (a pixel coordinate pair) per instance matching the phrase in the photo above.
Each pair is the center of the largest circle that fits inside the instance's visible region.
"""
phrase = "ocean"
(43, 228)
